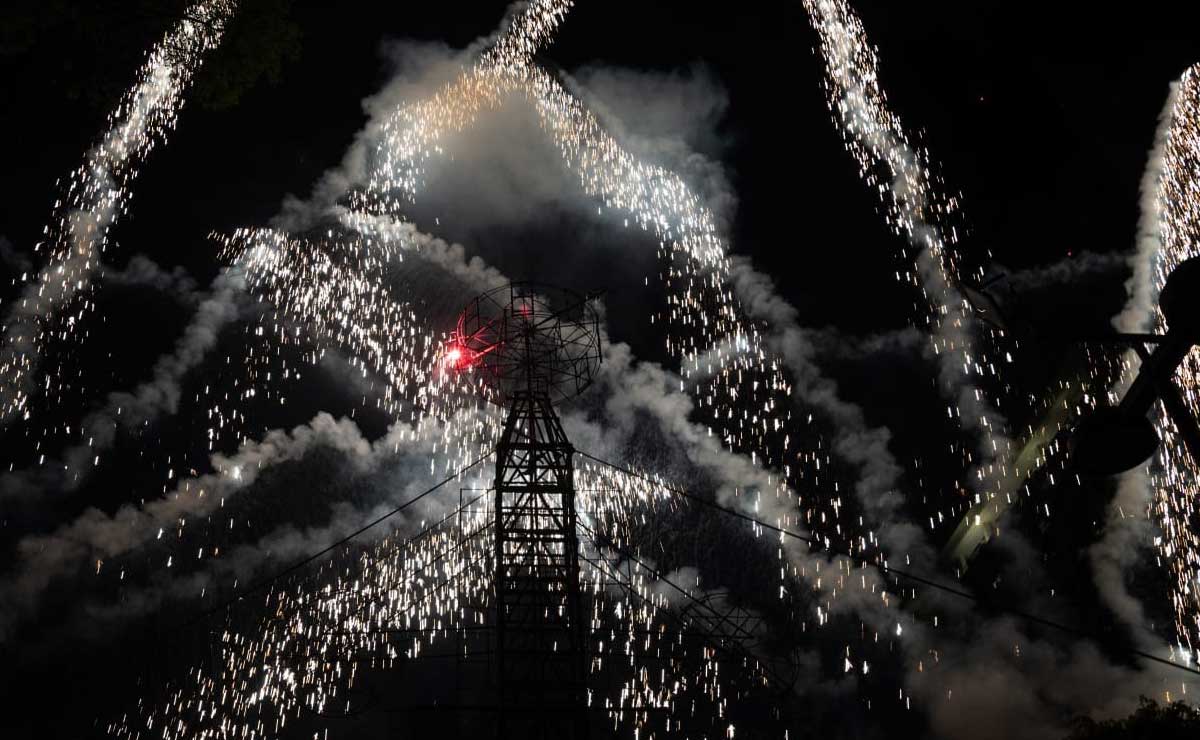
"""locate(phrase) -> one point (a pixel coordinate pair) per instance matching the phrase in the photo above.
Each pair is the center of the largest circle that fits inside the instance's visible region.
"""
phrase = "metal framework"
(540, 653)
(534, 345)
(530, 338)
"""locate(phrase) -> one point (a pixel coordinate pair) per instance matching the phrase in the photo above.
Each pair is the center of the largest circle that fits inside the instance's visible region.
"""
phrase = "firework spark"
(54, 302)
(393, 600)
(1176, 482)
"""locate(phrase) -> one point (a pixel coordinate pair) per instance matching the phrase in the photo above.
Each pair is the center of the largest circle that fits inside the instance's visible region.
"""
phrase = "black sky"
(1040, 116)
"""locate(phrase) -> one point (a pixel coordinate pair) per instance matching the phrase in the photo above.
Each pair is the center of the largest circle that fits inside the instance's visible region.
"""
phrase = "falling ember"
(336, 289)
(97, 193)
(916, 210)
(1176, 482)
(374, 605)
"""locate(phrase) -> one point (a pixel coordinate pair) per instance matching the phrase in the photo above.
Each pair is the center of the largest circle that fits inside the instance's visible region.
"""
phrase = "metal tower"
(533, 345)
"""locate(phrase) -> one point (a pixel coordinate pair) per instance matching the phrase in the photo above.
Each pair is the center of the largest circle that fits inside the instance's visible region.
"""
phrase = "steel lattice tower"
(534, 345)
(539, 622)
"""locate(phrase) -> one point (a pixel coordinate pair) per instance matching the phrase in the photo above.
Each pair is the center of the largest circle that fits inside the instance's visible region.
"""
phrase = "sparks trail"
(1175, 506)
(741, 388)
(54, 302)
(915, 209)
(890, 570)
(391, 601)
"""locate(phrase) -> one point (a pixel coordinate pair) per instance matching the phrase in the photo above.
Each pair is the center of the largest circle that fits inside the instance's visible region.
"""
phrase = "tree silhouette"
(1151, 721)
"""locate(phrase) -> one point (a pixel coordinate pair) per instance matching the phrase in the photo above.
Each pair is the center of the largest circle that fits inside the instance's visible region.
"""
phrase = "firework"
(345, 291)
(1176, 481)
(54, 302)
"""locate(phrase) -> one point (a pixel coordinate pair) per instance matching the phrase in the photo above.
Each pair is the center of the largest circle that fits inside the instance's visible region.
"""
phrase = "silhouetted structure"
(533, 344)
(1117, 439)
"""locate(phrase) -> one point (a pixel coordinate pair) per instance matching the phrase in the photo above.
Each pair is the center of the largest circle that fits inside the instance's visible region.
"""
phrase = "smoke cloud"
(986, 673)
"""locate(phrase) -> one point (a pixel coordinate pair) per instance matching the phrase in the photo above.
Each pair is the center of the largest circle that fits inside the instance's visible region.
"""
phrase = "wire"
(441, 556)
(712, 638)
(888, 569)
(602, 539)
(263, 583)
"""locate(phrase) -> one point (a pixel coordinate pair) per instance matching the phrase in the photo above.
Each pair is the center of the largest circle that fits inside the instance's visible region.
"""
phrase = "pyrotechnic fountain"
(568, 603)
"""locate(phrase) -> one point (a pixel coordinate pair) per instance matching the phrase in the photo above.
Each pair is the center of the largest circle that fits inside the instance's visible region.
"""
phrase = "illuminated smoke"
(332, 291)
(915, 209)
(54, 302)
(1177, 481)
(1128, 526)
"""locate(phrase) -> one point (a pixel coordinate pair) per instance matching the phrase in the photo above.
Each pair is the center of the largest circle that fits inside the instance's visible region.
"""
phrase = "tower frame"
(533, 345)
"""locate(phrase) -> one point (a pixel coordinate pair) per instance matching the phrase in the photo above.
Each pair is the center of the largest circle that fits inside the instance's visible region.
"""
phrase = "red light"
(454, 357)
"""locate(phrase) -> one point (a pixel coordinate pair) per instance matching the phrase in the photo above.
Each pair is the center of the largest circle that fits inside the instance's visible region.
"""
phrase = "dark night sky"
(1040, 116)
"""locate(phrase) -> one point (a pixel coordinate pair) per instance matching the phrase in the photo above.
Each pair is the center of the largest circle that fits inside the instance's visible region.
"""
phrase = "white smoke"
(98, 197)
(1138, 314)
(148, 401)
(632, 392)
(1127, 527)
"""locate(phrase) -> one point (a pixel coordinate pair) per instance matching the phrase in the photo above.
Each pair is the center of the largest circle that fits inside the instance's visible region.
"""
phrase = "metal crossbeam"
(540, 655)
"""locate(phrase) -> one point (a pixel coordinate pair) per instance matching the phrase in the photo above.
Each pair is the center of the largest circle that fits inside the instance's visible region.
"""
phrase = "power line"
(601, 539)
(442, 555)
(888, 569)
(708, 636)
(263, 583)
